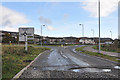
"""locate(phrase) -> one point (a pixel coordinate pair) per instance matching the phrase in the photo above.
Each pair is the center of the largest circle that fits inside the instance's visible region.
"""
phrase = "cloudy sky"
(62, 18)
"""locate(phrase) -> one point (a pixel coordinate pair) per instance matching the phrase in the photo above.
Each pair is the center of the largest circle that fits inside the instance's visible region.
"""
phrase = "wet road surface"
(65, 62)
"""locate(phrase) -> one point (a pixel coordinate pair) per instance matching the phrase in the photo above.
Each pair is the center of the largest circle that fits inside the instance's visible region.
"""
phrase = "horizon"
(67, 36)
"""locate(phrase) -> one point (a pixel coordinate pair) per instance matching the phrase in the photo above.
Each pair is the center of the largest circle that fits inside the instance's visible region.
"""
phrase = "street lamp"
(93, 33)
(82, 30)
(71, 38)
(41, 34)
(99, 24)
(111, 33)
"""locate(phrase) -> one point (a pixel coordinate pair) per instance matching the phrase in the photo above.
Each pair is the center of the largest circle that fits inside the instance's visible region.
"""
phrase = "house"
(70, 40)
(85, 40)
(54, 40)
(108, 42)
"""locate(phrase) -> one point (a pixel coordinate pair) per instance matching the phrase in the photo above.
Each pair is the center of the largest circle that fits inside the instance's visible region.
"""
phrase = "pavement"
(65, 62)
(89, 48)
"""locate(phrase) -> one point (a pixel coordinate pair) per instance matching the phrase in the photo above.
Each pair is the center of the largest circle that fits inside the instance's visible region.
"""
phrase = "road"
(65, 62)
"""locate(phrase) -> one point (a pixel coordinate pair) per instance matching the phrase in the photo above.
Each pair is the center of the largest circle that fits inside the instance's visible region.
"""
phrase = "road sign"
(25, 34)
(23, 31)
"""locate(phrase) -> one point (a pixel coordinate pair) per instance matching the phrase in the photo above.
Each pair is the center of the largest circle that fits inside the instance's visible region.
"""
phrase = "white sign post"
(25, 34)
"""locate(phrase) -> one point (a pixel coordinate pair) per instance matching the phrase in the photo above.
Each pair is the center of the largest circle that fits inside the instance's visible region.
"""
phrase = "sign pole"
(26, 43)
(41, 35)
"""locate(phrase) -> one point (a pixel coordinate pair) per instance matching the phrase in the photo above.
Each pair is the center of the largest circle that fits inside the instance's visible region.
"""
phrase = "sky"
(62, 19)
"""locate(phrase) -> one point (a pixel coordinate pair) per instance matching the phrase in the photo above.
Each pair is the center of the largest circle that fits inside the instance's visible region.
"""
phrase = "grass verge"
(15, 58)
(107, 48)
(116, 59)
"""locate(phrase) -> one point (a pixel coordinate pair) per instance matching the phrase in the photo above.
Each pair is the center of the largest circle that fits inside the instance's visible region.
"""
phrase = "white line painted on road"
(78, 61)
(74, 50)
(63, 55)
(61, 52)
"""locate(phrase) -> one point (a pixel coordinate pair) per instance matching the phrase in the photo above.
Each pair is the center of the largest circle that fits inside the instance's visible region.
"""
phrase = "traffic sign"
(25, 34)
(23, 31)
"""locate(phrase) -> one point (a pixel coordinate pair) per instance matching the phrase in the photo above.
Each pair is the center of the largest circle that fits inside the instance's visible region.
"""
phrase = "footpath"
(90, 49)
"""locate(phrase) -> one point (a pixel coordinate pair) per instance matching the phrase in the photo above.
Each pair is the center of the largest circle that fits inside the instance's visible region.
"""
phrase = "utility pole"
(99, 25)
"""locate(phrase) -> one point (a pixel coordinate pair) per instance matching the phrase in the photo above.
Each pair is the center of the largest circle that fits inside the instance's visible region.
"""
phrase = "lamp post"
(93, 34)
(41, 34)
(99, 24)
(111, 33)
(82, 31)
(93, 31)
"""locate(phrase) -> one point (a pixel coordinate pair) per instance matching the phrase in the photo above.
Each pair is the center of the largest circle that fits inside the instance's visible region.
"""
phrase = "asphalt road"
(65, 62)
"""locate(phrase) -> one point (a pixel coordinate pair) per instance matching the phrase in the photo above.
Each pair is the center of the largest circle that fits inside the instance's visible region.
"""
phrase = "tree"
(7, 38)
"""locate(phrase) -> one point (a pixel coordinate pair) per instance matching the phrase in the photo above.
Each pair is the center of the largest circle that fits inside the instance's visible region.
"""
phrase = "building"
(103, 40)
(13, 37)
(86, 40)
(70, 40)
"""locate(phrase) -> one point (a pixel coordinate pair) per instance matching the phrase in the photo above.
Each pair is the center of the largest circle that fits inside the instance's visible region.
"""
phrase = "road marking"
(62, 54)
(74, 50)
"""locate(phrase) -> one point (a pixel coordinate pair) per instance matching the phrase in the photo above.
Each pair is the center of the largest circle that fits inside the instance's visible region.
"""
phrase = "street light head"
(92, 29)
(44, 25)
(80, 24)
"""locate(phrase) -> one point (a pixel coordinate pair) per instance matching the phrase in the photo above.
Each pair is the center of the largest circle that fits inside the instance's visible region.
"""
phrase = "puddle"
(117, 67)
(91, 70)
(76, 70)
(106, 70)
(64, 68)
(35, 68)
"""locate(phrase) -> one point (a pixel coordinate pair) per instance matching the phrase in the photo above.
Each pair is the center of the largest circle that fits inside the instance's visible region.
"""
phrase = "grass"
(107, 48)
(14, 59)
(98, 54)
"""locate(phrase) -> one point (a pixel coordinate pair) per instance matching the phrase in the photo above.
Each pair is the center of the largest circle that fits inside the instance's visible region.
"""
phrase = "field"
(15, 58)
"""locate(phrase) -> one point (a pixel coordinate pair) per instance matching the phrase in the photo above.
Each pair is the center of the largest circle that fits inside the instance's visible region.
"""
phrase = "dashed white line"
(62, 54)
